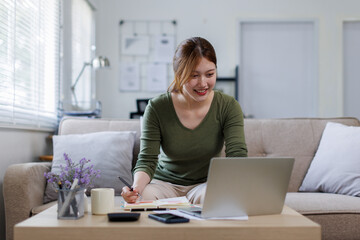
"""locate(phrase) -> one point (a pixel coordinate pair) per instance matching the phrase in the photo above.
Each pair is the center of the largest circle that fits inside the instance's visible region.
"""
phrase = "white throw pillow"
(336, 165)
(109, 152)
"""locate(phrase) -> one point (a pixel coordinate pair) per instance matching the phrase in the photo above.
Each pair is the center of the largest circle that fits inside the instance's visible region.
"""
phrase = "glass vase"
(71, 203)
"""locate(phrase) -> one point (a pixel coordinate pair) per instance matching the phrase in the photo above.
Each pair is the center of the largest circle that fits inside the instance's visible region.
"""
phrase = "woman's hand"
(130, 196)
(141, 179)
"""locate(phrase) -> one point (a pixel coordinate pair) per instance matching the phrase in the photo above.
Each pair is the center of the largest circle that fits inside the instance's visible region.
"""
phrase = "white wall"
(217, 21)
(19, 146)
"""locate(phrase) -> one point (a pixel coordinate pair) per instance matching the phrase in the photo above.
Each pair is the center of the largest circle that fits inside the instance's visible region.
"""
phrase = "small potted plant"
(71, 184)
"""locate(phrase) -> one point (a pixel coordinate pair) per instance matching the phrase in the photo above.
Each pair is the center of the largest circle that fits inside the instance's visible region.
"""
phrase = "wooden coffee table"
(288, 225)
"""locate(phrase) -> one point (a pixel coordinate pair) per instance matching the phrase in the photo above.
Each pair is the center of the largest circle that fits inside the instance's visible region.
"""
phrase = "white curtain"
(82, 34)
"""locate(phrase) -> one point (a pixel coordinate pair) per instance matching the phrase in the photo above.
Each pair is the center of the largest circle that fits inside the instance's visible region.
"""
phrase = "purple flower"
(73, 170)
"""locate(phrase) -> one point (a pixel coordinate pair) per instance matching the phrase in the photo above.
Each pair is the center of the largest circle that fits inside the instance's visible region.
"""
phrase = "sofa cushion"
(336, 165)
(297, 137)
(338, 226)
(322, 203)
(75, 125)
(338, 215)
(109, 152)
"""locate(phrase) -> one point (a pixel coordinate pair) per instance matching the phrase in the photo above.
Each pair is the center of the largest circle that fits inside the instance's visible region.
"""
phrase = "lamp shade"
(100, 62)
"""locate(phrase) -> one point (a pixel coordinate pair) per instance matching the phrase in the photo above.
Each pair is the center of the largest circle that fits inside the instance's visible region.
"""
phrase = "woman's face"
(202, 81)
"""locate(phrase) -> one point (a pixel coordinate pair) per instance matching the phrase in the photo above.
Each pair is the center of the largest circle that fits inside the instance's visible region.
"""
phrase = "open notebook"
(178, 202)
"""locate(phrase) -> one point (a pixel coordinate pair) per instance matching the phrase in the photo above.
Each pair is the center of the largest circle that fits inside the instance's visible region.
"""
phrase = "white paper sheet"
(135, 45)
(164, 49)
(178, 213)
(174, 199)
(129, 77)
(157, 77)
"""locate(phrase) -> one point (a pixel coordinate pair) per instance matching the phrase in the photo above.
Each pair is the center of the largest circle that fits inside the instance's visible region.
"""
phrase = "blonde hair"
(187, 56)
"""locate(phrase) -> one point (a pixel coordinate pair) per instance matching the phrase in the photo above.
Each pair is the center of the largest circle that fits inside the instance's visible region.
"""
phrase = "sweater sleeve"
(149, 142)
(233, 130)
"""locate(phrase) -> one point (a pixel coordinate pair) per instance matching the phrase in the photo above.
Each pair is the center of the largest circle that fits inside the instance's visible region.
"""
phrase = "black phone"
(168, 218)
(123, 217)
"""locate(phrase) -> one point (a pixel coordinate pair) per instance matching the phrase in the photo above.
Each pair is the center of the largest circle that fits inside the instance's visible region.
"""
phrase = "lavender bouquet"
(72, 171)
(71, 182)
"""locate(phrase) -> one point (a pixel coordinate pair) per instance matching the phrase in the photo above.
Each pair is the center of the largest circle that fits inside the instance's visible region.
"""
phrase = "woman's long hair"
(187, 57)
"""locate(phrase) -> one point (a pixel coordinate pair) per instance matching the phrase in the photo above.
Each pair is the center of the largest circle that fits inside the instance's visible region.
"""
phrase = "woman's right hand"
(130, 196)
(141, 179)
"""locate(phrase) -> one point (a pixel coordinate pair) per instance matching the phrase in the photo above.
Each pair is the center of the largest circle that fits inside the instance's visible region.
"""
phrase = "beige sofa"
(339, 215)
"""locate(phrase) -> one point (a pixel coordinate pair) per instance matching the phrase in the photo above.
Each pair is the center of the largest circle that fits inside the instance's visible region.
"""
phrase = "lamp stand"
(77, 80)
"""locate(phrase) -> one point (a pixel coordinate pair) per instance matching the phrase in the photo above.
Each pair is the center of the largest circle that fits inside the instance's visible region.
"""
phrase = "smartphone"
(168, 218)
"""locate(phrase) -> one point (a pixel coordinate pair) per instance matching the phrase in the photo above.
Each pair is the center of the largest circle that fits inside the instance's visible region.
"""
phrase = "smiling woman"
(202, 80)
(187, 57)
(186, 127)
(197, 94)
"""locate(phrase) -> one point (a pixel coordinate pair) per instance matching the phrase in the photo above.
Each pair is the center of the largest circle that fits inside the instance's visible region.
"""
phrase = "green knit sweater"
(176, 154)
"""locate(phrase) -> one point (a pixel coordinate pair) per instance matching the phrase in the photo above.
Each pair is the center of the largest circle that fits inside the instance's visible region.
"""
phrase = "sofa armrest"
(23, 189)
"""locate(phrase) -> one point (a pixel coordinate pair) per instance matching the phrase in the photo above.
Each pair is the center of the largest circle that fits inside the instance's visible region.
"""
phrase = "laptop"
(244, 186)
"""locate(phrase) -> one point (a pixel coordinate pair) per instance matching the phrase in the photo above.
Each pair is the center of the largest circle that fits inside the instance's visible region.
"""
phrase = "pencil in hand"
(128, 185)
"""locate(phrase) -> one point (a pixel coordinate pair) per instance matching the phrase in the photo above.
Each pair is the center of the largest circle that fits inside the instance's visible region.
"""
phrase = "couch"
(338, 215)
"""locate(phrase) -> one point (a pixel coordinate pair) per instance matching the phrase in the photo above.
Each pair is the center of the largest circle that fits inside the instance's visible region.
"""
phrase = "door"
(351, 46)
(278, 69)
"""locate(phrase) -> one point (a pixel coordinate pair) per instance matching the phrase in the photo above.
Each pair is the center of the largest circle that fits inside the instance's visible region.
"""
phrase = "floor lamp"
(96, 63)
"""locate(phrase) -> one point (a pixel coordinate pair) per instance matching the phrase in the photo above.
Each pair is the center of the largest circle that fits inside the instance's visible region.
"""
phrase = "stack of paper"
(177, 202)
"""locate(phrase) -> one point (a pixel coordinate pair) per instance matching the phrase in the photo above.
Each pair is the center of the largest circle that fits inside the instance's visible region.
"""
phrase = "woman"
(186, 127)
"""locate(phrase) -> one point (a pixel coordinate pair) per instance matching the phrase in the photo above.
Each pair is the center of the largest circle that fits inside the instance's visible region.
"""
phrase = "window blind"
(29, 62)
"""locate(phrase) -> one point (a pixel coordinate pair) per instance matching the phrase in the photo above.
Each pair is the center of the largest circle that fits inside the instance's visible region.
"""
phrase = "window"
(83, 47)
(29, 62)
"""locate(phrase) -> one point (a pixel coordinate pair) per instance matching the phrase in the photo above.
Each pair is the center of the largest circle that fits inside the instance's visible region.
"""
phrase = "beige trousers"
(158, 189)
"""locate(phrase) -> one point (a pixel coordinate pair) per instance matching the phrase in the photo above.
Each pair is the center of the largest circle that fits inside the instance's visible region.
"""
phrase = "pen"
(128, 185)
